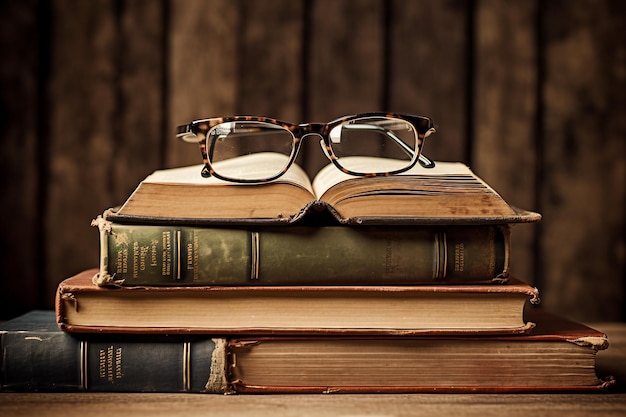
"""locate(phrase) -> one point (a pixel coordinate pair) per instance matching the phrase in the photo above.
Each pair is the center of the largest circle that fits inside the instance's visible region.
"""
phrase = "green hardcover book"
(139, 254)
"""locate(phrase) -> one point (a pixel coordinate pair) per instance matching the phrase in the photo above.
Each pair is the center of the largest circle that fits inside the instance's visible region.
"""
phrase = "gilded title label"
(153, 253)
(196, 257)
(459, 257)
(135, 259)
(143, 255)
(110, 363)
(193, 256)
(392, 263)
(166, 266)
(189, 256)
(122, 260)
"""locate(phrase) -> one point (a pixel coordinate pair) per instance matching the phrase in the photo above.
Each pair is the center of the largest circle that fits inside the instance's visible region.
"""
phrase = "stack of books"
(383, 284)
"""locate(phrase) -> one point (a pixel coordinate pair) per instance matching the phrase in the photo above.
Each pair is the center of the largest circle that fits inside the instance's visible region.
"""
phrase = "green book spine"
(38, 356)
(334, 255)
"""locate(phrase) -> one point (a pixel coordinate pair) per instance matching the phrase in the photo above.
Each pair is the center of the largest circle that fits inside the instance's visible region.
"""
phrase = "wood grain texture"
(429, 70)
(505, 113)
(584, 174)
(269, 59)
(105, 120)
(345, 64)
(483, 405)
(530, 94)
(202, 63)
(20, 169)
(83, 107)
(140, 121)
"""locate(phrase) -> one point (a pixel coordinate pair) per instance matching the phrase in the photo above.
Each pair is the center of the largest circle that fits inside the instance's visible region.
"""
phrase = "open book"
(447, 193)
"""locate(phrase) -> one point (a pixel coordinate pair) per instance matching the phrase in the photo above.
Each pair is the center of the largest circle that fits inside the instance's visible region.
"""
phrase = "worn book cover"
(38, 356)
(83, 306)
(556, 355)
(141, 254)
(449, 193)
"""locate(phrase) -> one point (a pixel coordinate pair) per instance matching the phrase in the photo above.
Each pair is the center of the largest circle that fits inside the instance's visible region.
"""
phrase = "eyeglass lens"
(391, 141)
(229, 143)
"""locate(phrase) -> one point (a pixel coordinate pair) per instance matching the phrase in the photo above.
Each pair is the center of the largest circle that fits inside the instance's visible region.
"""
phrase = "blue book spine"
(38, 356)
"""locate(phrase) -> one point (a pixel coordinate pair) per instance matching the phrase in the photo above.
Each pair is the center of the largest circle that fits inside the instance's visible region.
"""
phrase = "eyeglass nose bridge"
(306, 130)
(323, 145)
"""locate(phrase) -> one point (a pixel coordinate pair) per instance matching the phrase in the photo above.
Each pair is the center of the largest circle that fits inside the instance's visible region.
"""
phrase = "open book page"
(449, 191)
(259, 165)
(329, 176)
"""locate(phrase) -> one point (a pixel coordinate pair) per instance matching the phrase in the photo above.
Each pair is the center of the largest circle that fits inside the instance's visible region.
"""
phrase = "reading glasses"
(250, 149)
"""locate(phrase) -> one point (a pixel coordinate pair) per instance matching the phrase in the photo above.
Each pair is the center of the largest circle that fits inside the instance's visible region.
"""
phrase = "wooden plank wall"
(530, 94)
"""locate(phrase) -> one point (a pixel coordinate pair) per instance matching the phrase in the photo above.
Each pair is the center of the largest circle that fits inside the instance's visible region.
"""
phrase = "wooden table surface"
(610, 403)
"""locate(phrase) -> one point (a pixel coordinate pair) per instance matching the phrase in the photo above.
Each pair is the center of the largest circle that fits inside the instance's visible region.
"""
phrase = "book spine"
(58, 361)
(184, 255)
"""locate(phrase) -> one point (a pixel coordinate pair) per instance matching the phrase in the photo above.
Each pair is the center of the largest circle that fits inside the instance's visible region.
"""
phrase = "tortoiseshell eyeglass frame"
(196, 132)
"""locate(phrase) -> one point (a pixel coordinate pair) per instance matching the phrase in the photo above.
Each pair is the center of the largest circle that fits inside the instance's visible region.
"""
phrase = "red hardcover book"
(557, 355)
(82, 306)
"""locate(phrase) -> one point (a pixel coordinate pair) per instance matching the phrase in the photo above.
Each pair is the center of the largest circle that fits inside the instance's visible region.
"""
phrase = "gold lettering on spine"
(189, 256)
(122, 261)
(102, 364)
(459, 257)
(388, 255)
(110, 365)
(392, 264)
(153, 253)
(193, 257)
(143, 255)
(166, 266)
(135, 259)
(119, 374)
(196, 257)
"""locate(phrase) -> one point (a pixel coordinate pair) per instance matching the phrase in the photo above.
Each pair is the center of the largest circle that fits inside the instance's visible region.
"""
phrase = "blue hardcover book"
(38, 356)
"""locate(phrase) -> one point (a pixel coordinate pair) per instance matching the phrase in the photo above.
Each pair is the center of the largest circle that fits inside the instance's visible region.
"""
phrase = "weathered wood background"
(531, 94)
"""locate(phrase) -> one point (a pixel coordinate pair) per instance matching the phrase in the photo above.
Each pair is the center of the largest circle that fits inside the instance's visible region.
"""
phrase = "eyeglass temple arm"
(425, 161)
(422, 159)
(185, 134)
